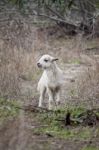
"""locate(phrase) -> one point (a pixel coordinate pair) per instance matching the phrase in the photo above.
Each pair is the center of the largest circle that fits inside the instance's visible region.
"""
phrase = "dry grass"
(18, 58)
(88, 87)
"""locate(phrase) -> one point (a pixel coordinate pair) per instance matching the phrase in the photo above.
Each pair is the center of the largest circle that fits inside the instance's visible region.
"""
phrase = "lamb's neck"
(52, 72)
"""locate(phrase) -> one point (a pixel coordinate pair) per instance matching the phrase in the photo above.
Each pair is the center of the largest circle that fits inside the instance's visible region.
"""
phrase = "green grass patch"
(8, 109)
(90, 148)
(76, 111)
(75, 61)
(50, 124)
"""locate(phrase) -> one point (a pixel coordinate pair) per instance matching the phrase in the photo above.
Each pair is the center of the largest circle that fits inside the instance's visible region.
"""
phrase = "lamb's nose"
(39, 65)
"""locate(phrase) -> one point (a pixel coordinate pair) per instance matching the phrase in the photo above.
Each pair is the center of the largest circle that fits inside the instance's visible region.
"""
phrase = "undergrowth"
(52, 124)
(90, 148)
(8, 109)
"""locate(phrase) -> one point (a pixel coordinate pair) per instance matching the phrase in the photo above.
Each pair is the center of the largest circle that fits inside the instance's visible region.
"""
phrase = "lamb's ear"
(54, 59)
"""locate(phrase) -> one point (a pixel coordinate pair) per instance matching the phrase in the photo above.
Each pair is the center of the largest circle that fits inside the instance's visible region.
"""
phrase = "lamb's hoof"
(40, 106)
(50, 108)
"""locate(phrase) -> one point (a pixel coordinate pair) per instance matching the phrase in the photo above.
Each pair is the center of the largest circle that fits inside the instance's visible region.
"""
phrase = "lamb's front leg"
(42, 95)
(51, 98)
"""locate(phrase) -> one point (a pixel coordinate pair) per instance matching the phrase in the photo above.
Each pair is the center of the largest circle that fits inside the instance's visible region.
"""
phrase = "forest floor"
(29, 130)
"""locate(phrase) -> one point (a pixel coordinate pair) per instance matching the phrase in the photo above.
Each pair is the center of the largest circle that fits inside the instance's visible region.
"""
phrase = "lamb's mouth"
(39, 65)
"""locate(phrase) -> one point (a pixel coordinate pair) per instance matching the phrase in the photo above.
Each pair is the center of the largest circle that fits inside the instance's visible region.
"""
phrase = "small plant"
(75, 61)
(90, 148)
(18, 2)
(8, 109)
(53, 124)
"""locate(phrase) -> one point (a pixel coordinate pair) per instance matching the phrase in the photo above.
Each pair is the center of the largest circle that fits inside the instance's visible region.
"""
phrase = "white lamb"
(50, 81)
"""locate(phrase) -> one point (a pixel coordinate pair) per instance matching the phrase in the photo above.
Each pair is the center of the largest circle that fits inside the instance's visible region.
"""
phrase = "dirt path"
(16, 136)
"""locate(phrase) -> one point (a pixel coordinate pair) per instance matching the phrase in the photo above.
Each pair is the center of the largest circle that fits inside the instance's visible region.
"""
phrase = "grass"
(8, 109)
(50, 124)
(75, 61)
(65, 133)
(90, 148)
(93, 43)
(37, 74)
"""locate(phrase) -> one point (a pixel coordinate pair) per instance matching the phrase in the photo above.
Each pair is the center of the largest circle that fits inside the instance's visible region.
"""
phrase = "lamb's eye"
(45, 60)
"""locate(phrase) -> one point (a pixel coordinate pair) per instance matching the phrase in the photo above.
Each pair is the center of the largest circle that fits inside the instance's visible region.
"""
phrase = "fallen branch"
(75, 27)
(36, 126)
(89, 117)
(36, 109)
(57, 19)
(32, 108)
(54, 12)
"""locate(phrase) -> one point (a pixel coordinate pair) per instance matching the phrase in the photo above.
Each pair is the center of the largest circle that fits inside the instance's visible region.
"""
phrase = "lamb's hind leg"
(58, 93)
(42, 95)
(58, 98)
(51, 98)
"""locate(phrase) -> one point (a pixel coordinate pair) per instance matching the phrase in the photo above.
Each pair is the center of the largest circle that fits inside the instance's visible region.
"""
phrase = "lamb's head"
(46, 61)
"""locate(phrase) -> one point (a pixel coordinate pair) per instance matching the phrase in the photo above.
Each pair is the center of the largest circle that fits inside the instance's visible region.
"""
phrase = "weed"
(90, 148)
(75, 61)
(53, 123)
(8, 109)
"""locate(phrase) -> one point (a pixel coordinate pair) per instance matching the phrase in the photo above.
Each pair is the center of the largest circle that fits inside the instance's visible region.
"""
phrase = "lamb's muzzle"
(39, 65)
(50, 81)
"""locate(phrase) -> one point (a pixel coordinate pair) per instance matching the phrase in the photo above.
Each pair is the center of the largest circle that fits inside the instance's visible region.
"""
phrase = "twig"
(37, 126)
(68, 119)
(71, 121)
(56, 19)
(54, 12)
(32, 108)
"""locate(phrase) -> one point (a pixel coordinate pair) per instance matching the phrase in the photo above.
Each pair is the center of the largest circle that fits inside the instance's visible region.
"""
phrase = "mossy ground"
(90, 148)
(47, 124)
(50, 125)
(8, 109)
